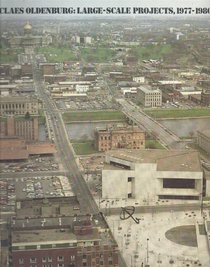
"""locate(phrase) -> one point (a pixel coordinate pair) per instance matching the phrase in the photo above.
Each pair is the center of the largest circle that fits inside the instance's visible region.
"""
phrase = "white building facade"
(152, 174)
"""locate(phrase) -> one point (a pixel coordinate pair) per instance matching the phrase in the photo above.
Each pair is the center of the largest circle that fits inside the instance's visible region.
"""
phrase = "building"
(18, 105)
(79, 86)
(74, 241)
(204, 140)
(119, 137)
(83, 40)
(47, 68)
(149, 97)
(28, 129)
(27, 70)
(152, 174)
(29, 41)
(13, 148)
(205, 98)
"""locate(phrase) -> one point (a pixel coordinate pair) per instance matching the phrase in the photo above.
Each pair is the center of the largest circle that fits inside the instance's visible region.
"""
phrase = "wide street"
(66, 154)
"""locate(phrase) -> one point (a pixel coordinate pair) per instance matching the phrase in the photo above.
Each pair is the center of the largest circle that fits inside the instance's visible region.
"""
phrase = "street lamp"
(131, 259)
(147, 260)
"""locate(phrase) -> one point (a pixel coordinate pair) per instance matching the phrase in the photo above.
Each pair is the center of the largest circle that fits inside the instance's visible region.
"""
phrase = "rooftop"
(149, 90)
(42, 236)
(172, 160)
(20, 99)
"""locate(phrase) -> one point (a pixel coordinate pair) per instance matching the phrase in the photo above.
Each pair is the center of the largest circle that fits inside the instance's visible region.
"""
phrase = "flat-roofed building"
(204, 140)
(68, 241)
(149, 97)
(13, 148)
(152, 174)
(113, 137)
(47, 68)
(19, 105)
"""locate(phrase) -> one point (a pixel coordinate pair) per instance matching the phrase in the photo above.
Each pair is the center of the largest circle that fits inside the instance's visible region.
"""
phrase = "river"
(186, 127)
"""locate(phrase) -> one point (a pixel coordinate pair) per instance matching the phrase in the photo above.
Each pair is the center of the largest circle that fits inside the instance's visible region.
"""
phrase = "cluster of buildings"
(20, 111)
(52, 231)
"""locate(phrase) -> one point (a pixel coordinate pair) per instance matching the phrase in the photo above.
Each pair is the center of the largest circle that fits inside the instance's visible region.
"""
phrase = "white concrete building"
(152, 174)
(139, 79)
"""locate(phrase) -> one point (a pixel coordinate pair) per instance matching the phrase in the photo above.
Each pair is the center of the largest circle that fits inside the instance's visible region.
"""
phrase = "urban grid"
(105, 142)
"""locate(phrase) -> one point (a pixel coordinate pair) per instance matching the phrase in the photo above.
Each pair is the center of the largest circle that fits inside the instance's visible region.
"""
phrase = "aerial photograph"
(104, 133)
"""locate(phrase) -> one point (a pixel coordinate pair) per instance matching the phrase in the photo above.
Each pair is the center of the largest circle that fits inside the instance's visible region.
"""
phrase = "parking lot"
(96, 103)
(30, 188)
(34, 163)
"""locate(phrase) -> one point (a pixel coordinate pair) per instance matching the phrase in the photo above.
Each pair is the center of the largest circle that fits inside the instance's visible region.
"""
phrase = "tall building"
(119, 137)
(28, 129)
(149, 97)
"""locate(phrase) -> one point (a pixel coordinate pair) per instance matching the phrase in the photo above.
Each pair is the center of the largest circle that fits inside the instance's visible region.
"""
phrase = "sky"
(105, 3)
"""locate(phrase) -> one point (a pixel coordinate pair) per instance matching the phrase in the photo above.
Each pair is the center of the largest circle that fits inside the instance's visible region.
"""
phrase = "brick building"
(74, 241)
(47, 68)
(16, 105)
(25, 128)
(205, 98)
(119, 137)
(26, 70)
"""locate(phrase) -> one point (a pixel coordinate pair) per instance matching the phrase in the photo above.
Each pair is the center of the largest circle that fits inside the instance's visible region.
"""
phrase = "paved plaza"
(146, 242)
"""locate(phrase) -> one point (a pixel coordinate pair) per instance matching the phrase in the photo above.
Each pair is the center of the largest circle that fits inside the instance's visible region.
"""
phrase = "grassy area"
(151, 51)
(55, 54)
(93, 116)
(84, 148)
(97, 54)
(178, 113)
(7, 56)
(153, 144)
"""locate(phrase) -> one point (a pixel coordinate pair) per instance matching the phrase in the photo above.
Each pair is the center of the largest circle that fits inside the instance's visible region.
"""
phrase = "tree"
(27, 115)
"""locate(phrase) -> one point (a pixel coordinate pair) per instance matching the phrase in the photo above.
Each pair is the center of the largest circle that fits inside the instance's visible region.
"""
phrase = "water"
(186, 127)
(85, 130)
(181, 127)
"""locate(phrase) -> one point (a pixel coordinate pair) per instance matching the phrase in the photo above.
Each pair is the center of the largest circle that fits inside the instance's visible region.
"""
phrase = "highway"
(66, 153)
(165, 136)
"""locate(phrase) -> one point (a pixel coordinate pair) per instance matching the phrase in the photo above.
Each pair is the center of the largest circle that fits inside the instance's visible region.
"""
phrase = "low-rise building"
(13, 148)
(205, 98)
(204, 140)
(114, 137)
(149, 97)
(152, 174)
